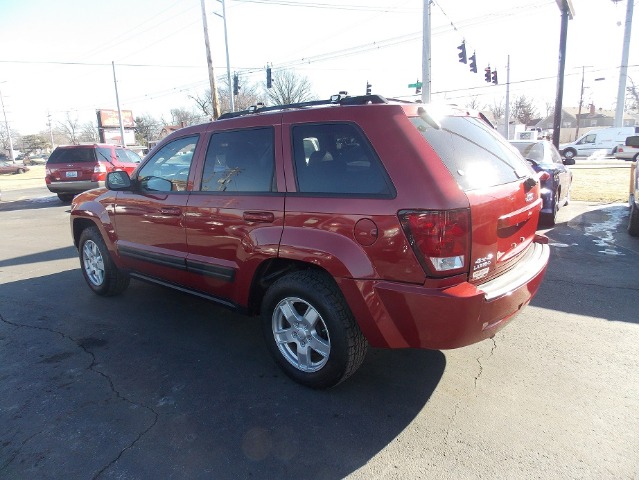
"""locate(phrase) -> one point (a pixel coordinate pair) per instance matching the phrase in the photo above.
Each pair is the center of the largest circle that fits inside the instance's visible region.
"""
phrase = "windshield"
(476, 155)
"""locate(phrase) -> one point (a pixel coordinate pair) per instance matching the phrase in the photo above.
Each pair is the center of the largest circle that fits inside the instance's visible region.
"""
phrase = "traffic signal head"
(368, 88)
(269, 80)
(473, 63)
(236, 86)
(462, 52)
(487, 74)
(495, 77)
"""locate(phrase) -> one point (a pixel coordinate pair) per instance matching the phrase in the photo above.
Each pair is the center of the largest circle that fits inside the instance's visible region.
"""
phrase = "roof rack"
(341, 98)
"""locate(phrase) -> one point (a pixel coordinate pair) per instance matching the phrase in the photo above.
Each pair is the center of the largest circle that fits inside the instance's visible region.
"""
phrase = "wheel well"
(268, 273)
(79, 226)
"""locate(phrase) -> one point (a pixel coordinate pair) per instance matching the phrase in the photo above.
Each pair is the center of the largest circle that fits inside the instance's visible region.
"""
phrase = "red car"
(73, 169)
(9, 167)
(345, 223)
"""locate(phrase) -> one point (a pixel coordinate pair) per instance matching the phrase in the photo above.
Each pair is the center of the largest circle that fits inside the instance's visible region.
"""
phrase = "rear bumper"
(395, 315)
(73, 186)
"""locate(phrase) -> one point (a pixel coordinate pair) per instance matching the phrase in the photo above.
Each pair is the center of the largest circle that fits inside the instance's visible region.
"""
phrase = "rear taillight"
(440, 238)
(99, 172)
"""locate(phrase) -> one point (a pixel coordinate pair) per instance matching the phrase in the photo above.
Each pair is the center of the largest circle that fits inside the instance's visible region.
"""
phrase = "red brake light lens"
(440, 238)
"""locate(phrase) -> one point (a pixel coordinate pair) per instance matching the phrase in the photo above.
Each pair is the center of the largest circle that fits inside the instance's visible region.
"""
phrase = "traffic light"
(269, 80)
(236, 84)
(487, 74)
(462, 52)
(368, 88)
(473, 63)
(495, 77)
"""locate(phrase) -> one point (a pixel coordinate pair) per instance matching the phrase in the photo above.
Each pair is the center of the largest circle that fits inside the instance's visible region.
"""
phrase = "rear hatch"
(71, 164)
(502, 190)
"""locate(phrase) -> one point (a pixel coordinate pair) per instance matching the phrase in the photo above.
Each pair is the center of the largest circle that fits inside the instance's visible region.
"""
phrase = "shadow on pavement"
(158, 384)
(593, 266)
(31, 204)
(57, 254)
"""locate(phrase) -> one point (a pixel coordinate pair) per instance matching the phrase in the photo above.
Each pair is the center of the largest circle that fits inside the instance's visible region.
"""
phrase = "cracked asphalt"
(158, 384)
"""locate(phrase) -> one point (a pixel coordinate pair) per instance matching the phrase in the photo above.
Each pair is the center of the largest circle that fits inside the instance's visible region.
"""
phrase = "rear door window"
(476, 155)
(337, 159)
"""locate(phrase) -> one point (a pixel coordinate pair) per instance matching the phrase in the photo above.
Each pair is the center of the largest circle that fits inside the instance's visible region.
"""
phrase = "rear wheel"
(633, 221)
(98, 268)
(310, 331)
(21, 170)
(65, 197)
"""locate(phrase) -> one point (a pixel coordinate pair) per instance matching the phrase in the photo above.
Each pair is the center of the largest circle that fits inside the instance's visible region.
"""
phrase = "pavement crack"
(478, 359)
(92, 367)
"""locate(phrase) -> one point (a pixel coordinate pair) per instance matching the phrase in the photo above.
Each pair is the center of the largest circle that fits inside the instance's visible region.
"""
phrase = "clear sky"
(55, 56)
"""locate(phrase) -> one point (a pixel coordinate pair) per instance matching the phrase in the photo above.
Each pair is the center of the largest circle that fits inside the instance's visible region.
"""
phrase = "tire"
(98, 268)
(20, 170)
(633, 221)
(570, 153)
(636, 157)
(310, 331)
(65, 197)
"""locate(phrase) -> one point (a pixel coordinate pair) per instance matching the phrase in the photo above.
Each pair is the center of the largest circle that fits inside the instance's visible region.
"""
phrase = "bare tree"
(550, 108)
(4, 137)
(247, 95)
(89, 133)
(473, 103)
(147, 128)
(497, 109)
(289, 87)
(632, 94)
(184, 117)
(523, 110)
(70, 129)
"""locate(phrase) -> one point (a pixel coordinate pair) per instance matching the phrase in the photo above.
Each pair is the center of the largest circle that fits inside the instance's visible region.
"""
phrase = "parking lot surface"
(158, 384)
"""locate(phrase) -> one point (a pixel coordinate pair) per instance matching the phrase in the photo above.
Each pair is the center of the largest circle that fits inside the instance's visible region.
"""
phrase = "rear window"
(533, 151)
(72, 155)
(476, 155)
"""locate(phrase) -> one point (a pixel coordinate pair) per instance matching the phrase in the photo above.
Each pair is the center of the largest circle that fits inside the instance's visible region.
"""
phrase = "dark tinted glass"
(240, 161)
(476, 155)
(337, 159)
(72, 155)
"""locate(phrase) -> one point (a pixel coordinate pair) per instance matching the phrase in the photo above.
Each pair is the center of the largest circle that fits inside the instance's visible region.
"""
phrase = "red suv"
(344, 223)
(75, 168)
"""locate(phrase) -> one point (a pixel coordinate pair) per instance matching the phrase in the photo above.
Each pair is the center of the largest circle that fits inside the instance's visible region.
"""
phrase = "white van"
(605, 141)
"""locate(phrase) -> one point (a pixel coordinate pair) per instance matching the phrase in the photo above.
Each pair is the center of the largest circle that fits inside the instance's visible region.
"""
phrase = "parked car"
(604, 140)
(344, 223)
(629, 150)
(73, 169)
(13, 168)
(555, 187)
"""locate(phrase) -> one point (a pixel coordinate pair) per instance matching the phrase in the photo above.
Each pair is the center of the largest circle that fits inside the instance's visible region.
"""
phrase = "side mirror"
(118, 180)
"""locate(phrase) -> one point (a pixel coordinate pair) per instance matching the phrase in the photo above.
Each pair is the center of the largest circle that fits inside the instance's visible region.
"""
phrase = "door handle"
(261, 217)
(173, 211)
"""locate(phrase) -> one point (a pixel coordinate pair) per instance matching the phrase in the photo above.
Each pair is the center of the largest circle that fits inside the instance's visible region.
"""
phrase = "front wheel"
(310, 331)
(569, 154)
(98, 268)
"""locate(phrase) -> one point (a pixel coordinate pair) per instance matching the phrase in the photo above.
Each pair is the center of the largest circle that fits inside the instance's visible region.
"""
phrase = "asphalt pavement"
(158, 384)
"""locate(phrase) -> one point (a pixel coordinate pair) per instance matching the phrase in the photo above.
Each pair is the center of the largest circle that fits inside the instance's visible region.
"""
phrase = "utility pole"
(6, 124)
(214, 99)
(117, 101)
(426, 54)
(581, 100)
(623, 71)
(50, 129)
(567, 10)
(228, 61)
